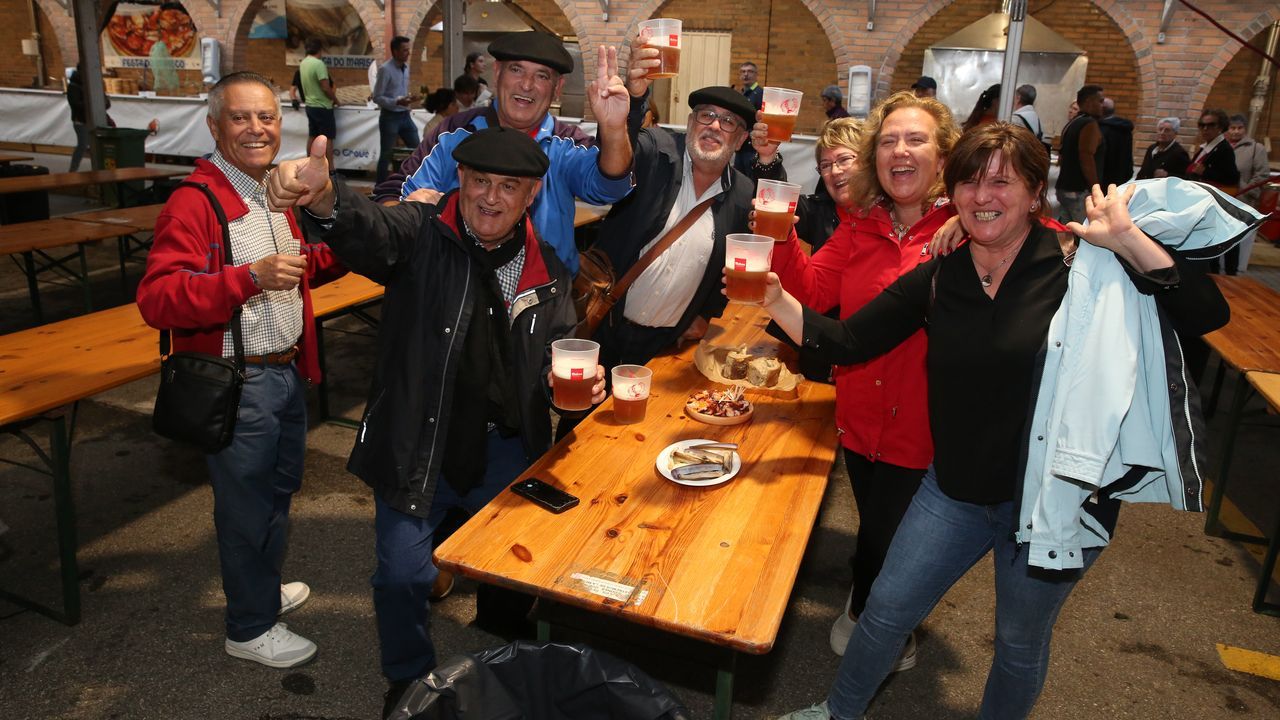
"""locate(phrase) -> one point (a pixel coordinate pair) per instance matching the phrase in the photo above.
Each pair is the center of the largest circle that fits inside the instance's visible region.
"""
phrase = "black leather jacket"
(415, 251)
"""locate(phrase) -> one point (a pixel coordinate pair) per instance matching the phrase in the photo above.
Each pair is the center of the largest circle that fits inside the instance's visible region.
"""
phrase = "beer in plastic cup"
(780, 109)
(775, 205)
(746, 263)
(663, 34)
(630, 392)
(573, 363)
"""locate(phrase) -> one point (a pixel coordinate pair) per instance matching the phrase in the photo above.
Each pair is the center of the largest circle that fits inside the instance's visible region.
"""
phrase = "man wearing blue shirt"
(531, 67)
(391, 94)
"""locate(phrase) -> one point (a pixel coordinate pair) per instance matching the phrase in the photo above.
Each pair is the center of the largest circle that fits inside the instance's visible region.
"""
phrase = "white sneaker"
(842, 630)
(278, 648)
(292, 596)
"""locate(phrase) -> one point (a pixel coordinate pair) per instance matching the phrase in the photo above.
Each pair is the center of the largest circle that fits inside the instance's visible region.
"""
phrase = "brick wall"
(782, 37)
(1196, 63)
(1111, 60)
(19, 70)
(1234, 89)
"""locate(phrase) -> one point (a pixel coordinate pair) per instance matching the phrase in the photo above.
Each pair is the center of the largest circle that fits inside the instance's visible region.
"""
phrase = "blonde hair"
(842, 132)
(866, 184)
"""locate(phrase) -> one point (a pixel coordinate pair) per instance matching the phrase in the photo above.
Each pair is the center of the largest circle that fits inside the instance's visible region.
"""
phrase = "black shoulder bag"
(199, 394)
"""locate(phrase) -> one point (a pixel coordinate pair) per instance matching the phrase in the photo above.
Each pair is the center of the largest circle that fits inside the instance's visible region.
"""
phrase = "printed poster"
(269, 23)
(138, 34)
(346, 43)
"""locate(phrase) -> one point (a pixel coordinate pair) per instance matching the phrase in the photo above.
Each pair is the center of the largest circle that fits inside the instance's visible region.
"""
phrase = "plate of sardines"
(699, 463)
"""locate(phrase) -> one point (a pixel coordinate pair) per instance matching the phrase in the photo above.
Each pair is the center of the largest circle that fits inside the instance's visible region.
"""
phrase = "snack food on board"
(719, 403)
(754, 367)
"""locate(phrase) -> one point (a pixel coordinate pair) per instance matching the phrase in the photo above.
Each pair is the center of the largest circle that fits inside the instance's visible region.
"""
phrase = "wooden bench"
(6, 158)
(58, 181)
(50, 368)
(716, 564)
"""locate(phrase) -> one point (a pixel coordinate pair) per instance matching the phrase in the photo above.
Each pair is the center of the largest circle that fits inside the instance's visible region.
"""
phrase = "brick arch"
(884, 76)
(1229, 50)
(64, 25)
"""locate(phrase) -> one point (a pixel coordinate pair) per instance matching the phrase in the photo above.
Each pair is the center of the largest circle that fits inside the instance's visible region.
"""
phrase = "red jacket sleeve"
(184, 286)
(815, 281)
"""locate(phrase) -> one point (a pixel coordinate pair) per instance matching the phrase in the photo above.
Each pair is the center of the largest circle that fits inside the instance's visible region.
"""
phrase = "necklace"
(899, 228)
(986, 278)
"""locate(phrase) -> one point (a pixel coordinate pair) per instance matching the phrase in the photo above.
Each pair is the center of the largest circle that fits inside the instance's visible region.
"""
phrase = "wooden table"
(716, 564)
(584, 214)
(49, 368)
(34, 241)
(136, 224)
(57, 181)
(6, 158)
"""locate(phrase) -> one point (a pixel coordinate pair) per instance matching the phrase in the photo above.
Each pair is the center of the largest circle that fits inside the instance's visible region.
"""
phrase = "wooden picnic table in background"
(58, 181)
(6, 158)
(712, 563)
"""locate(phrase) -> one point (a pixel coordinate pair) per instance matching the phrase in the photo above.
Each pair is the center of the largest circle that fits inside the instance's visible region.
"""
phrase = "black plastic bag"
(529, 681)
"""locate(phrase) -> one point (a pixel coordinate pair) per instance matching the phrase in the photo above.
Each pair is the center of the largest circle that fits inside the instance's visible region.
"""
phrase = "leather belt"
(280, 358)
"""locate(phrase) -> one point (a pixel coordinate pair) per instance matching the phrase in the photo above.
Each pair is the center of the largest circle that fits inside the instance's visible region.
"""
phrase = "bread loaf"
(764, 372)
(735, 367)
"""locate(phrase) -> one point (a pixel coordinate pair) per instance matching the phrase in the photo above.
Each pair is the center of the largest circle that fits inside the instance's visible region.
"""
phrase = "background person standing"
(391, 95)
(321, 96)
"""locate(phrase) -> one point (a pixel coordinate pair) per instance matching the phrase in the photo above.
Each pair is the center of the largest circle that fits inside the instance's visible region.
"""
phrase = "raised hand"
(609, 99)
(1111, 227)
(644, 60)
(304, 182)
(760, 140)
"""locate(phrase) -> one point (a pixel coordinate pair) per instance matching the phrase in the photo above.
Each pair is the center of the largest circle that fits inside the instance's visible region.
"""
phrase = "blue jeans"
(390, 126)
(936, 544)
(82, 145)
(254, 479)
(402, 581)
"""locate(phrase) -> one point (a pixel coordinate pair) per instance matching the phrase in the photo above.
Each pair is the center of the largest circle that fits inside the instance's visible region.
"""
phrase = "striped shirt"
(272, 319)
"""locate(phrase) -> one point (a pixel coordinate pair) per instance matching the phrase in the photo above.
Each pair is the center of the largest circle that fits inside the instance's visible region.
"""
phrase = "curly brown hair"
(866, 185)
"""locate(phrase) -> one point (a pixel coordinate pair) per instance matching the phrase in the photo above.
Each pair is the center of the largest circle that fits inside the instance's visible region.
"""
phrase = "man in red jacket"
(191, 290)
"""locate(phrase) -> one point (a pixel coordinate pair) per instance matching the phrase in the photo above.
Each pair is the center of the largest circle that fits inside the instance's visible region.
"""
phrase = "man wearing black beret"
(530, 75)
(676, 295)
(459, 402)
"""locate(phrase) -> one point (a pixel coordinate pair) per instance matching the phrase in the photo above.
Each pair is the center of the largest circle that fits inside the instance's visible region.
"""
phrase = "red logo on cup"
(646, 33)
(575, 374)
(740, 264)
(673, 40)
(791, 106)
(766, 194)
(791, 207)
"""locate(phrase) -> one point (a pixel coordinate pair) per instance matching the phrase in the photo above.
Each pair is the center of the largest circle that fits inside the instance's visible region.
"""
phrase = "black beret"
(727, 98)
(502, 151)
(538, 47)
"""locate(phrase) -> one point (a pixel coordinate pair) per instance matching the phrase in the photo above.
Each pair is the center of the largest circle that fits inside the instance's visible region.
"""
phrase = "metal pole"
(88, 43)
(454, 14)
(1017, 13)
(1262, 85)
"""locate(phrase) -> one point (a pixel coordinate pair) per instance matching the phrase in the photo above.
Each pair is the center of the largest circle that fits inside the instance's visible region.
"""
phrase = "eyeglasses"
(844, 164)
(728, 121)
(1207, 124)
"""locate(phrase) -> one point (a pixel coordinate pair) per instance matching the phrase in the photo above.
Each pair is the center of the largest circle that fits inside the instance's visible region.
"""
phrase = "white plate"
(664, 457)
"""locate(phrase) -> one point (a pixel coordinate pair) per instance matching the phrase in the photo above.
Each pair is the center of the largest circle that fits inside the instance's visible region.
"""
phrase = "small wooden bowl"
(716, 419)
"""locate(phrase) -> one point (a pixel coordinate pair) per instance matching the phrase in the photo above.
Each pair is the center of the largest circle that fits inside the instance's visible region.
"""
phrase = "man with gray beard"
(679, 292)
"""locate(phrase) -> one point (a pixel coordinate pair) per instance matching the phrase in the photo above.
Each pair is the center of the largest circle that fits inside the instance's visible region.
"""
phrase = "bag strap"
(620, 288)
(237, 332)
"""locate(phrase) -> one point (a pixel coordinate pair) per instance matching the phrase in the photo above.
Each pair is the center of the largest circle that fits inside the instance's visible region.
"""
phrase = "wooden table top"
(55, 181)
(1251, 341)
(53, 365)
(6, 158)
(1267, 385)
(137, 219)
(53, 233)
(712, 563)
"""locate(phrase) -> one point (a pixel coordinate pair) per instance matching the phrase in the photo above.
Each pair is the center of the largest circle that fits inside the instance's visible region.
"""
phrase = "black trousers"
(882, 493)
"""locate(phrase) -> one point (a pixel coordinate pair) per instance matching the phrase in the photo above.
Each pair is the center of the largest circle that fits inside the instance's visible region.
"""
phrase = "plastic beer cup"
(573, 363)
(663, 34)
(746, 263)
(775, 206)
(630, 392)
(780, 109)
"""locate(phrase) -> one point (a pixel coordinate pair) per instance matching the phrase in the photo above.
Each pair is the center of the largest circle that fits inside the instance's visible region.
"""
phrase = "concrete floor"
(1137, 639)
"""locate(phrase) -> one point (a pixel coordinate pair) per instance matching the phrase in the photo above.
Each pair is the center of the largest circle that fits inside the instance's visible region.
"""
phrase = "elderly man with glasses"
(679, 292)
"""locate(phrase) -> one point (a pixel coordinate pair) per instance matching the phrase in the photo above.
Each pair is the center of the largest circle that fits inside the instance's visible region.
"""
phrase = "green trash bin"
(120, 148)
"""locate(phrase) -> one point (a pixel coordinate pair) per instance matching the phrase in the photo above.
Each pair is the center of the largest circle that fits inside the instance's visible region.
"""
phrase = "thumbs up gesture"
(304, 182)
